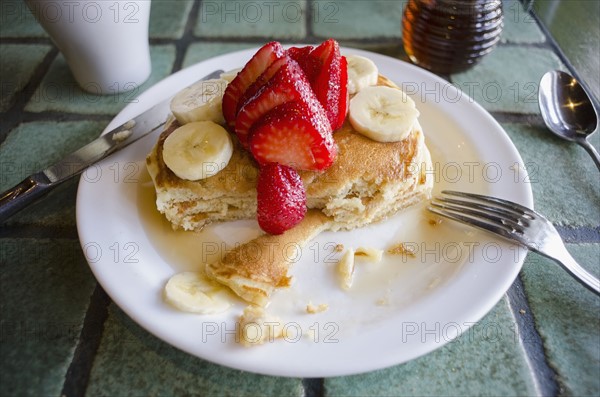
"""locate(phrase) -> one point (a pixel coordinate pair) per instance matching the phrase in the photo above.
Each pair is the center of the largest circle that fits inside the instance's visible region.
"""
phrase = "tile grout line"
(308, 18)
(14, 116)
(544, 376)
(90, 337)
(182, 44)
(32, 231)
(40, 40)
(577, 235)
(531, 119)
(313, 387)
(52, 115)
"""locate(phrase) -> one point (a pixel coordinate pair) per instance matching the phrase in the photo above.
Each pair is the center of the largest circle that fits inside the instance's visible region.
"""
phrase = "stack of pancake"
(369, 181)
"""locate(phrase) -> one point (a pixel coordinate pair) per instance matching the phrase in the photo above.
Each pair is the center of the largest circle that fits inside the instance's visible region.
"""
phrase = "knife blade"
(39, 184)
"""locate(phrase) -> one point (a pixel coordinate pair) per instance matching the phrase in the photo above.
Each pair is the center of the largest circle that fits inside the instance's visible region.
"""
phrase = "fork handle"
(579, 273)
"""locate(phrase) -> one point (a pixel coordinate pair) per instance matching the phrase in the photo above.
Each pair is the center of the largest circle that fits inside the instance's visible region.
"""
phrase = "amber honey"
(450, 36)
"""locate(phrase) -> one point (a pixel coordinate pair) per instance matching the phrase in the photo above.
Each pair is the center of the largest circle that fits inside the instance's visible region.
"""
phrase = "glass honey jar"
(450, 36)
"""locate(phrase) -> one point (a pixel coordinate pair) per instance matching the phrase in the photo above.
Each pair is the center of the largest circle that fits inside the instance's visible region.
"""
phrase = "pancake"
(255, 269)
(368, 182)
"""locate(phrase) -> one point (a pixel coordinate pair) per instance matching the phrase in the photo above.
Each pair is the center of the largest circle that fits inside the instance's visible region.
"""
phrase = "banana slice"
(200, 102)
(230, 74)
(193, 292)
(382, 113)
(197, 150)
(362, 72)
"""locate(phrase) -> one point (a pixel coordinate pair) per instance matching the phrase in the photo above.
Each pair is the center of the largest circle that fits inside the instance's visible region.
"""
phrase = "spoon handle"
(591, 150)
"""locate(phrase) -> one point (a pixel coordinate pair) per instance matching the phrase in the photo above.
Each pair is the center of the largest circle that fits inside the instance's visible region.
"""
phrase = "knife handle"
(18, 197)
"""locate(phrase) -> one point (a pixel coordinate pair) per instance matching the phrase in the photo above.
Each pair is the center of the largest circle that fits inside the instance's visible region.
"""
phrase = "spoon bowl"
(567, 110)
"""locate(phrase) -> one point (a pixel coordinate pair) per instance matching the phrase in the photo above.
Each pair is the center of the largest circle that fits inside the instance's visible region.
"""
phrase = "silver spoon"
(567, 110)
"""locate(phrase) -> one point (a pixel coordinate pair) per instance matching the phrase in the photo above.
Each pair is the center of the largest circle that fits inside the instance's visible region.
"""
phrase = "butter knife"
(39, 184)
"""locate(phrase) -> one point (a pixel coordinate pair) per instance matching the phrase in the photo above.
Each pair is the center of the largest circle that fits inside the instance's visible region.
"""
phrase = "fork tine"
(481, 223)
(473, 214)
(476, 208)
(507, 205)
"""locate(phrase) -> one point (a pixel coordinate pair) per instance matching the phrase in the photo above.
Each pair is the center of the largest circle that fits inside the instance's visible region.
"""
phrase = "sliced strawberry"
(296, 134)
(281, 198)
(287, 85)
(256, 66)
(327, 72)
(324, 51)
(330, 84)
(344, 95)
(309, 64)
(298, 54)
(261, 81)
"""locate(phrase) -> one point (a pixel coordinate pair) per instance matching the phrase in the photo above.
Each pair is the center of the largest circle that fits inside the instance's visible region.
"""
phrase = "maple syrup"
(183, 250)
(450, 36)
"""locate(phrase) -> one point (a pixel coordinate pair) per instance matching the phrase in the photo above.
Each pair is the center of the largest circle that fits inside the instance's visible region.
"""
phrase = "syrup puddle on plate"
(183, 250)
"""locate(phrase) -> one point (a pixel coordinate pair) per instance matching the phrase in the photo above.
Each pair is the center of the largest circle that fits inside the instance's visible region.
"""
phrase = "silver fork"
(514, 222)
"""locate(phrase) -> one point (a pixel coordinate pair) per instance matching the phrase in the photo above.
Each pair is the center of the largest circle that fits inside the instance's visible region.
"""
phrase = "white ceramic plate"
(397, 310)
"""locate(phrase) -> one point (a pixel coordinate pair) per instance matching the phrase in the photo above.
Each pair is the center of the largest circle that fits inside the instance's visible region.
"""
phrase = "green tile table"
(60, 334)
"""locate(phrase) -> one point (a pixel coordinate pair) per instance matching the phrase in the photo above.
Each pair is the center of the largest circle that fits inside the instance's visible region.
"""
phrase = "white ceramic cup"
(105, 42)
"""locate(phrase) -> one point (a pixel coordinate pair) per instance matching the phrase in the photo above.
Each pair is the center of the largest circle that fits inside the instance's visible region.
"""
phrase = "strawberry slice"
(281, 198)
(330, 84)
(298, 54)
(327, 72)
(344, 95)
(310, 65)
(262, 80)
(287, 85)
(256, 66)
(296, 134)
